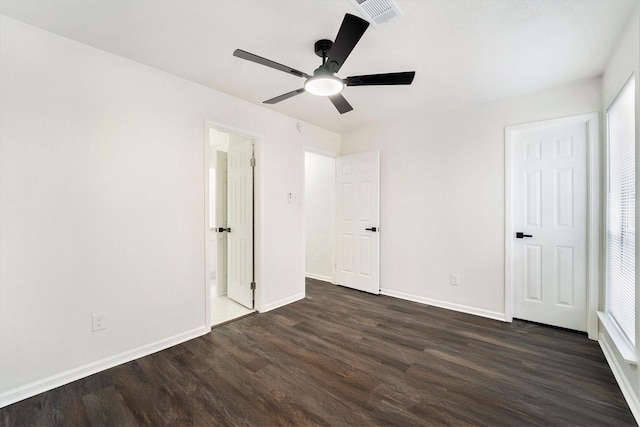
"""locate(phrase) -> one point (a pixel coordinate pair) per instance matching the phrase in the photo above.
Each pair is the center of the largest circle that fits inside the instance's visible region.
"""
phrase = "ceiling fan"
(323, 82)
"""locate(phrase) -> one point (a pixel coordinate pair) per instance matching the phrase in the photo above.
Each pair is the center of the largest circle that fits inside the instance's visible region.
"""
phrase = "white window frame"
(623, 342)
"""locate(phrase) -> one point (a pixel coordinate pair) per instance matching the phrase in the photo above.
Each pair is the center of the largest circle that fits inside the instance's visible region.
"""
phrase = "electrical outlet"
(455, 279)
(99, 321)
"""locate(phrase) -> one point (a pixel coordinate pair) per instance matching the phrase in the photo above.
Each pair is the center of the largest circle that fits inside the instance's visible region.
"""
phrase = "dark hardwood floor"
(341, 357)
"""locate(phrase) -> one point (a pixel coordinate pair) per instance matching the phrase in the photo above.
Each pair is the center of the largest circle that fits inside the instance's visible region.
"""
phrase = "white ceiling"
(464, 52)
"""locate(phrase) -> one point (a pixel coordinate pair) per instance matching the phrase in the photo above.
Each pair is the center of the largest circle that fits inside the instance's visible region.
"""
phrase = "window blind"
(621, 212)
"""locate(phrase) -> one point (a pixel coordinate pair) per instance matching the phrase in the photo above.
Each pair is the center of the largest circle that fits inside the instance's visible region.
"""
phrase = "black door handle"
(520, 235)
(220, 230)
(374, 229)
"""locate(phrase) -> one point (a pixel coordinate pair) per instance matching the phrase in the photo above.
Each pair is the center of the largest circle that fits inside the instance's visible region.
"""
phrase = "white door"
(358, 221)
(221, 222)
(240, 222)
(549, 211)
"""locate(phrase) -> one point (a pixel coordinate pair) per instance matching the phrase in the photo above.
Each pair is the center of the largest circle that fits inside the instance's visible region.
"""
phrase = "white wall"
(443, 200)
(319, 216)
(102, 207)
(624, 61)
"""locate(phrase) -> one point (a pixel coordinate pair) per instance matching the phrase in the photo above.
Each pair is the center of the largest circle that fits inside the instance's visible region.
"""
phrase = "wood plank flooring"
(345, 358)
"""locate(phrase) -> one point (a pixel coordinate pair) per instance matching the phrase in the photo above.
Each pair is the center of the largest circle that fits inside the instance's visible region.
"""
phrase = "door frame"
(257, 213)
(594, 222)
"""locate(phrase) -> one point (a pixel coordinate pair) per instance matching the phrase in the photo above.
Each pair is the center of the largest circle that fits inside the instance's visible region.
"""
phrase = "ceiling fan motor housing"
(323, 82)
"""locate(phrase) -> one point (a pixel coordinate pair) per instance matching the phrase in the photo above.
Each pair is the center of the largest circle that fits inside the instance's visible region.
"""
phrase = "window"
(621, 212)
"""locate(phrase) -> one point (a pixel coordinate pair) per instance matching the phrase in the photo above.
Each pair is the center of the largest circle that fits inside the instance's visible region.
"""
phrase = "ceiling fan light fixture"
(324, 85)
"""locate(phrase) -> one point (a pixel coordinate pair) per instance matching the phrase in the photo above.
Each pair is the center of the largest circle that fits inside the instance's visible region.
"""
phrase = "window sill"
(627, 351)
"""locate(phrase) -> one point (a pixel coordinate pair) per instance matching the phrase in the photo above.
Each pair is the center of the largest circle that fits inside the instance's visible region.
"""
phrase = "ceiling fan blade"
(284, 96)
(340, 103)
(404, 78)
(267, 62)
(349, 34)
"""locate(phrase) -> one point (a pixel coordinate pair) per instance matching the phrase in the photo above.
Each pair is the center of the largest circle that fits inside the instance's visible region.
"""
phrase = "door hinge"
(252, 162)
(253, 285)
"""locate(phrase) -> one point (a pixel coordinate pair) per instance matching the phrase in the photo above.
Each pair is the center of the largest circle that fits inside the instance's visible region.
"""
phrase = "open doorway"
(230, 231)
(342, 219)
(319, 216)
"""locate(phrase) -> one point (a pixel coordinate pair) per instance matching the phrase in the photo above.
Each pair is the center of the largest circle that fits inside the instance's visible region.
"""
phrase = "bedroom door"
(240, 164)
(358, 221)
(548, 190)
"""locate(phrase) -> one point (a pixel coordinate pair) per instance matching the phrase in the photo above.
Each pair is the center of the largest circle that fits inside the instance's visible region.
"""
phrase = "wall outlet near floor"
(99, 321)
(455, 279)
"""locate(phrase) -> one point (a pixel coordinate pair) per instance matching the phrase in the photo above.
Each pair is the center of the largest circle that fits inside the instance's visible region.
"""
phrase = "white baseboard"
(319, 277)
(62, 378)
(282, 302)
(444, 304)
(627, 391)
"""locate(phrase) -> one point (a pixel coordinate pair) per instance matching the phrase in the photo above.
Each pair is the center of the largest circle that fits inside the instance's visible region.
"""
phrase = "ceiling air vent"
(377, 11)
